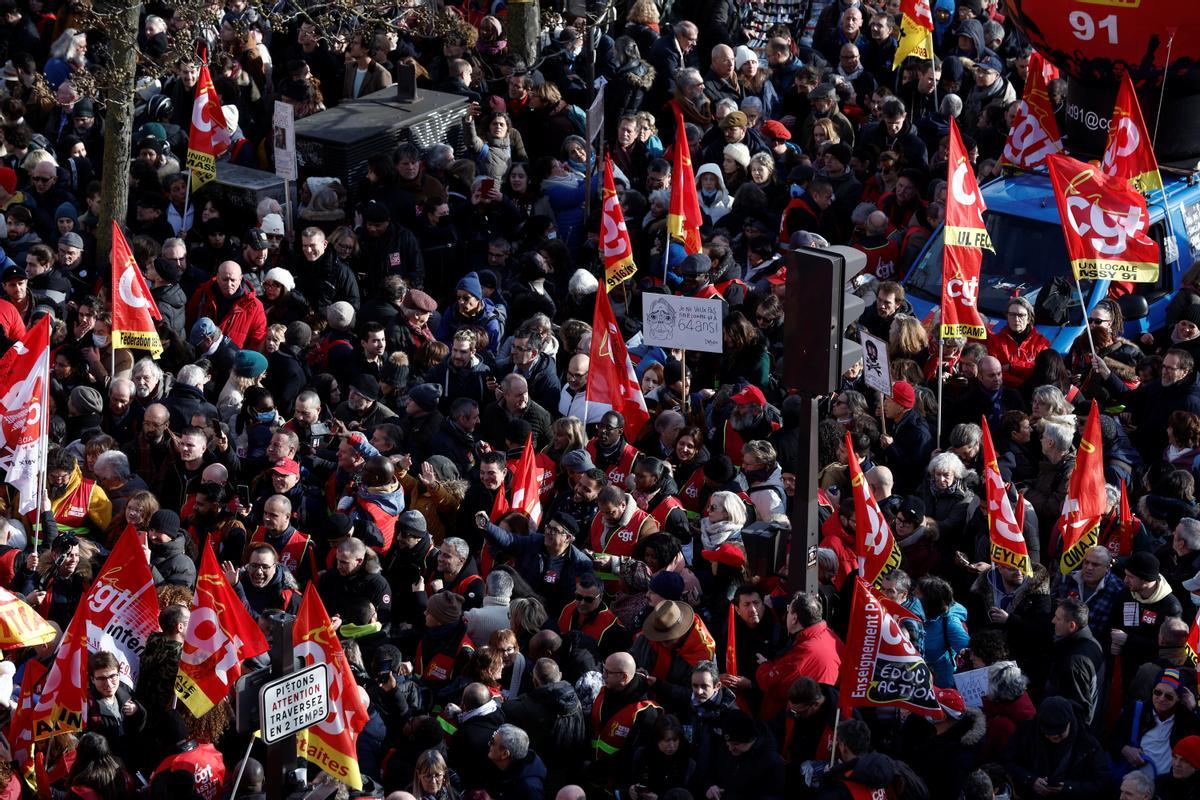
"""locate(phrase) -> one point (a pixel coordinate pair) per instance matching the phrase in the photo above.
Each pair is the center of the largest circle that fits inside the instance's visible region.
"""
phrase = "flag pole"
(1083, 305)
(837, 719)
(187, 201)
(941, 383)
(242, 768)
(1162, 92)
(666, 263)
(687, 387)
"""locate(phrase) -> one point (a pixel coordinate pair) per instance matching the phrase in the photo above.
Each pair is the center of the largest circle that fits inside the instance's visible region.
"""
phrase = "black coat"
(328, 280)
(1077, 667)
(908, 455)
(469, 747)
(287, 375)
(1079, 762)
(183, 402)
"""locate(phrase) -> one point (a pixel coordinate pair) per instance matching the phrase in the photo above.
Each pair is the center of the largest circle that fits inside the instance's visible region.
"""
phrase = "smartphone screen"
(243, 494)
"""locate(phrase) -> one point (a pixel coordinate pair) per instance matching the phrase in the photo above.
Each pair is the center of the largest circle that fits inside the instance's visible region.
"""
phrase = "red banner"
(24, 413)
(20, 727)
(1129, 153)
(221, 635)
(1005, 534)
(133, 308)
(1086, 499)
(526, 494)
(964, 238)
(683, 217)
(611, 379)
(880, 666)
(118, 614)
(1104, 223)
(329, 744)
(878, 553)
(614, 236)
(1125, 526)
(1034, 132)
(209, 136)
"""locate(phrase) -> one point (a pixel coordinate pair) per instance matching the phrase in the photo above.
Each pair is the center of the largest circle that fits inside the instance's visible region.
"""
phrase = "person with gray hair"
(1049, 488)
(120, 419)
(951, 106)
(186, 398)
(114, 475)
(1096, 586)
(519, 771)
(492, 616)
(514, 403)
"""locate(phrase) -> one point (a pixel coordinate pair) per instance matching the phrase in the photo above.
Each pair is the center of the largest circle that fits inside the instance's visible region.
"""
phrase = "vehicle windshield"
(1029, 254)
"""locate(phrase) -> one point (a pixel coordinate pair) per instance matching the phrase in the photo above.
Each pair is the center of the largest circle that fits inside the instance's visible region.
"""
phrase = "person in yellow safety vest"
(79, 504)
(623, 716)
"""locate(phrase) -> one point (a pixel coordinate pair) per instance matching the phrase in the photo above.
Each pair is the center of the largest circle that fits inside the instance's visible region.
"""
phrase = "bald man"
(296, 550)
(229, 300)
(253, 779)
(623, 710)
(572, 399)
(477, 721)
(571, 792)
(151, 448)
(985, 396)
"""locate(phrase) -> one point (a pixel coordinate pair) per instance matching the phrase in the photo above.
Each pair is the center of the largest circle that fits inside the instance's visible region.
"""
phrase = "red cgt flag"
(965, 237)
(614, 236)
(134, 310)
(24, 411)
(878, 553)
(118, 614)
(683, 217)
(1129, 152)
(1034, 132)
(611, 379)
(1086, 499)
(220, 636)
(1104, 223)
(329, 744)
(209, 136)
(526, 494)
(1125, 525)
(1007, 539)
(880, 666)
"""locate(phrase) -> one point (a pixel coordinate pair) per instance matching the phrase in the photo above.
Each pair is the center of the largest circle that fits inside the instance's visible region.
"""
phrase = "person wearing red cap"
(944, 752)
(749, 420)
(1183, 781)
(909, 442)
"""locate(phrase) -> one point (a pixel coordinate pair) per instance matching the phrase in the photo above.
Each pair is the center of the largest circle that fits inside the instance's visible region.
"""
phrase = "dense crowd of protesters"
(343, 394)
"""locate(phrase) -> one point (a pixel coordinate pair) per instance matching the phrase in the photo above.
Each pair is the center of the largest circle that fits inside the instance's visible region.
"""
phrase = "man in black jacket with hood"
(1077, 661)
(388, 248)
(163, 277)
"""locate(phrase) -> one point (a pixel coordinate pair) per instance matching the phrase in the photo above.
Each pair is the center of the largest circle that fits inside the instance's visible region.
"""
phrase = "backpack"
(318, 357)
(1053, 303)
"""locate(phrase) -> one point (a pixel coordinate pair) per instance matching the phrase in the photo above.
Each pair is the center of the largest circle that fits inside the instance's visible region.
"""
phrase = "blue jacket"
(532, 561)
(490, 320)
(945, 635)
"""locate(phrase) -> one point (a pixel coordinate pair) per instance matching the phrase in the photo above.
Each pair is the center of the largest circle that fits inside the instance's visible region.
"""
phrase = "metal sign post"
(281, 755)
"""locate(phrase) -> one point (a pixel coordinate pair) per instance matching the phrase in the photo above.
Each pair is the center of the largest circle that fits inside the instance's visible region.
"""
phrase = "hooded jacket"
(1078, 763)
(554, 719)
(944, 759)
(719, 203)
(172, 304)
(375, 513)
(280, 591)
(171, 565)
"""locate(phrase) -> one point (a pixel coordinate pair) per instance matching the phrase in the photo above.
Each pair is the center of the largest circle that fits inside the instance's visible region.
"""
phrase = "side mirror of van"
(1133, 306)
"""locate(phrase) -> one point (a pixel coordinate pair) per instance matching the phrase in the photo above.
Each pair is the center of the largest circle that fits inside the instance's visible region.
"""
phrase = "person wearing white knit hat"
(282, 277)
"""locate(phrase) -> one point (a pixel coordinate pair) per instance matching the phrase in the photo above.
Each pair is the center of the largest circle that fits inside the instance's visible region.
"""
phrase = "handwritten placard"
(686, 323)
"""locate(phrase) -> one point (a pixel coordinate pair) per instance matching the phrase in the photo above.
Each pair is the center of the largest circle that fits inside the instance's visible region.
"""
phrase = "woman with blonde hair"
(566, 434)
(526, 615)
(431, 778)
(908, 339)
(824, 131)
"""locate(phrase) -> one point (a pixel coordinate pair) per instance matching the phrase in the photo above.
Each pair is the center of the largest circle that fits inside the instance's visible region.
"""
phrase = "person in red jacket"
(229, 301)
(816, 653)
(1017, 344)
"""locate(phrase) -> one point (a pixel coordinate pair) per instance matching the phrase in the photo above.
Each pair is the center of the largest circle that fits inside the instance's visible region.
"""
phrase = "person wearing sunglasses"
(1149, 729)
(589, 614)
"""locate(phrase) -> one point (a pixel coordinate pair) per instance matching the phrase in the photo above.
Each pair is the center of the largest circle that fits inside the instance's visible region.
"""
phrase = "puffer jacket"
(171, 565)
(945, 636)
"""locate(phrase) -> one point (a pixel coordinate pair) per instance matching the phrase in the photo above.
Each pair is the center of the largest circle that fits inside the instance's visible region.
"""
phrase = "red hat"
(1188, 748)
(8, 179)
(728, 554)
(286, 466)
(903, 394)
(779, 278)
(951, 702)
(776, 130)
(749, 394)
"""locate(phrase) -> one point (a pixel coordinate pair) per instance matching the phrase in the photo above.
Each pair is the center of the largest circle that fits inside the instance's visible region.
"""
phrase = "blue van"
(1023, 221)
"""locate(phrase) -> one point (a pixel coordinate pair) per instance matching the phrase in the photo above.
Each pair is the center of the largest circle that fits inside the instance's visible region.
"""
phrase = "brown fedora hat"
(669, 620)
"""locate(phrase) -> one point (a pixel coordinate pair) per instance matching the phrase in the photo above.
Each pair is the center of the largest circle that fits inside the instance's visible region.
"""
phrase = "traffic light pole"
(802, 549)
(817, 311)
